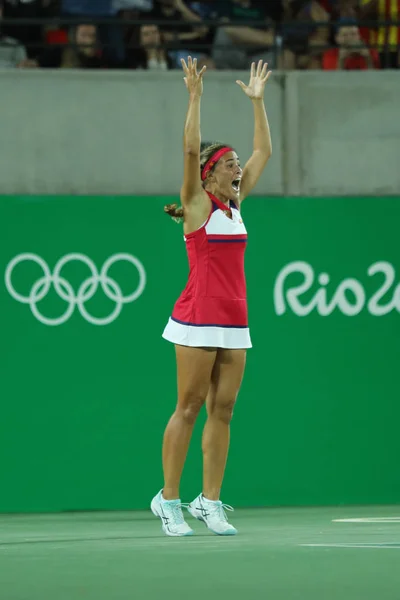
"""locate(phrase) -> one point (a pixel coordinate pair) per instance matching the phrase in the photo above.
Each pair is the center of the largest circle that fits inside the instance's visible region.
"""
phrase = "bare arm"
(187, 35)
(251, 36)
(262, 145)
(185, 11)
(191, 187)
(193, 35)
(189, 15)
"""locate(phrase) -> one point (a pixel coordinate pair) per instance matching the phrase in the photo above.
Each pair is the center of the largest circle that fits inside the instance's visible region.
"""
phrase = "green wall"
(83, 406)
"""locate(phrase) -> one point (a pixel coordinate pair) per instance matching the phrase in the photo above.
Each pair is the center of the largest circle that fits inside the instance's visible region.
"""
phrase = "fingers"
(184, 66)
(242, 85)
(261, 71)
(192, 64)
(265, 79)
(264, 70)
(190, 68)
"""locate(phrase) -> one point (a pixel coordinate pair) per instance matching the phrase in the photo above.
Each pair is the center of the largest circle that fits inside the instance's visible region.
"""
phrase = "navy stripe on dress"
(209, 324)
(227, 241)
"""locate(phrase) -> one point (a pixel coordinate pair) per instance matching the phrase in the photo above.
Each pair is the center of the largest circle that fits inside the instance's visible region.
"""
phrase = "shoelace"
(219, 510)
(177, 513)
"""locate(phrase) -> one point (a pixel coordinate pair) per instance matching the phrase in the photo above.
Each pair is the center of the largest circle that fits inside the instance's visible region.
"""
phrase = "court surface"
(280, 554)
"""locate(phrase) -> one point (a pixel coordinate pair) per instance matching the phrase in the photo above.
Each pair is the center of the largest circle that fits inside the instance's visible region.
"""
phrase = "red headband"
(213, 160)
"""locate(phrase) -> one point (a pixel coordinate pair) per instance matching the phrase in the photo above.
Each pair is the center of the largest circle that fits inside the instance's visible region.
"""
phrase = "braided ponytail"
(175, 212)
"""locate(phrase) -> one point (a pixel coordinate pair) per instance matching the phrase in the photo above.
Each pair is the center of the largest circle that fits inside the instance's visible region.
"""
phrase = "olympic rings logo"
(86, 291)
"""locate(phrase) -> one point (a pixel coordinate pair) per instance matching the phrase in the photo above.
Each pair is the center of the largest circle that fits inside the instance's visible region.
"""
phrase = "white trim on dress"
(207, 336)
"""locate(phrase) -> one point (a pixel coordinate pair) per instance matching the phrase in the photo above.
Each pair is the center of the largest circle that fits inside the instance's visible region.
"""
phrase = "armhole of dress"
(188, 235)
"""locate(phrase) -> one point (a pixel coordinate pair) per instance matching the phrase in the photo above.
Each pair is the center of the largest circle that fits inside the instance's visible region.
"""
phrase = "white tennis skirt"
(199, 336)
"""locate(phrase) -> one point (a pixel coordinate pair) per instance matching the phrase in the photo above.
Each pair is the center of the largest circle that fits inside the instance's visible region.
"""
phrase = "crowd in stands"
(223, 34)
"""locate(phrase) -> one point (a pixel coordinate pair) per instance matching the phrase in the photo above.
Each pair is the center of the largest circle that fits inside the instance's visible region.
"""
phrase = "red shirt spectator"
(351, 54)
(353, 62)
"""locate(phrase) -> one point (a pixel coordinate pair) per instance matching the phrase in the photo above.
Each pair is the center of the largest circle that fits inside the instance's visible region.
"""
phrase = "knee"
(223, 410)
(191, 406)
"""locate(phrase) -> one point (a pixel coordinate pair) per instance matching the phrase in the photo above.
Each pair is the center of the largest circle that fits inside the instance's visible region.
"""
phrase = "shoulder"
(9, 41)
(199, 199)
(197, 210)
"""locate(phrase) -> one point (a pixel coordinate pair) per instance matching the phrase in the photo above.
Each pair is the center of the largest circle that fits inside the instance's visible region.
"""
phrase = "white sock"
(207, 500)
(164, 500)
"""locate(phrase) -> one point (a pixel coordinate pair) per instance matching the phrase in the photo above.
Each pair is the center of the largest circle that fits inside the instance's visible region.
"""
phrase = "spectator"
(316, 12)
(131, 10)
(296, 36)
(12, 53)
(319, 37)
(235, 47)
(150, 55)
(305, 44)
(31, 36)
(385, 39)
(344, 9)
(340, 9)
(206, 11)
(110, 36)
(82, 54)
(351, 53)
(180, 37)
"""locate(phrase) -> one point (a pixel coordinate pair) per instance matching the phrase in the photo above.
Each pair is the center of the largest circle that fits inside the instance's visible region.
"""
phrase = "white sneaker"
(170, 513)
(212, 513)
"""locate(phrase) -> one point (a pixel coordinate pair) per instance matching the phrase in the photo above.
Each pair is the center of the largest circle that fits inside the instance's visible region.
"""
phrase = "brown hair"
(206, 152)
(71, 58)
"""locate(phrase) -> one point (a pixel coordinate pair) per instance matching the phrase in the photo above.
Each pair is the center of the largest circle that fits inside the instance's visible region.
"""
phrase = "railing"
(277, 47)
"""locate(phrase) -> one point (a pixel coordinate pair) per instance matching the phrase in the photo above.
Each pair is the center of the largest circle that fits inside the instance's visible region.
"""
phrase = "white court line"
(206, 542)
(386, 545)
(369, 520)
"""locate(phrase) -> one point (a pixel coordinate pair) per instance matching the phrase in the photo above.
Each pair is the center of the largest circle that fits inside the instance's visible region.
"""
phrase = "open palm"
(193, 80)
(258, 79)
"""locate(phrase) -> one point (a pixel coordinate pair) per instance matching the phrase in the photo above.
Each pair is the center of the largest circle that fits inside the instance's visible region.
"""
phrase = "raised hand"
(193, 80)
(258, 79)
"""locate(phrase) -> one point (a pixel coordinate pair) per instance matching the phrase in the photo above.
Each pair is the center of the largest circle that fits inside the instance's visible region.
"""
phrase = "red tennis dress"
(212, 309)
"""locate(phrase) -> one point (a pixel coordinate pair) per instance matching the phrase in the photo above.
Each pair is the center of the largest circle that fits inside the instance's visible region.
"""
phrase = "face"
(348, 36)
(226, 176)
(86, 38)
(149, 35)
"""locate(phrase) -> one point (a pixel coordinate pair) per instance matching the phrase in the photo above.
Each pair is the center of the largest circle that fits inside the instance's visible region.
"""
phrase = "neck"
(221, 197)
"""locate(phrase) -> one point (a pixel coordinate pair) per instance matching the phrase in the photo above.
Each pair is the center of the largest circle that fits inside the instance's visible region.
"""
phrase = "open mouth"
(236, 184)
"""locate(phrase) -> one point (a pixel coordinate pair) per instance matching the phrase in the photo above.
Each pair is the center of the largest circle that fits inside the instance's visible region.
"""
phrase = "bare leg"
(226, 379)
(194, 366)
